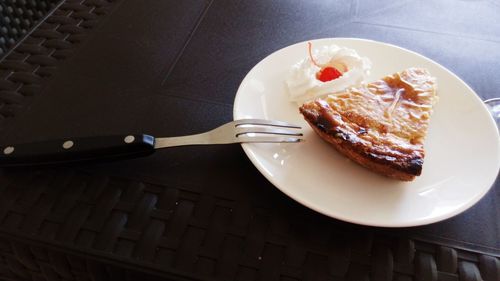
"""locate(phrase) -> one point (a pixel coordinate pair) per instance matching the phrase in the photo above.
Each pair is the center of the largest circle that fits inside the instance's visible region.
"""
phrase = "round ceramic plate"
(462, 146)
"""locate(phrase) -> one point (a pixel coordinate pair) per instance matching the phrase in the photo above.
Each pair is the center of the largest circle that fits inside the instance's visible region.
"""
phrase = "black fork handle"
(76, 150)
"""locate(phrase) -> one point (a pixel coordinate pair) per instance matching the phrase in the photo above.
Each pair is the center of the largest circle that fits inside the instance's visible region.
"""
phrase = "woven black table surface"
(18, 17)
(96, 67)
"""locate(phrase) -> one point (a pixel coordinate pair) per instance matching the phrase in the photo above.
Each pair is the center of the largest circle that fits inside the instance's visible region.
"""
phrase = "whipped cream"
(303, 85)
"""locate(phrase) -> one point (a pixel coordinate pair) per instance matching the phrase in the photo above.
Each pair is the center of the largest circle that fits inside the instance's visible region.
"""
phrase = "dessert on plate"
(380, 125)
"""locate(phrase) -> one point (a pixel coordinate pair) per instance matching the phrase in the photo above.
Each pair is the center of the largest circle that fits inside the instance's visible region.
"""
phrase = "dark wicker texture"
(17, 17)
(169, 230)
(24, 70)
(75, 225)
(20, 261)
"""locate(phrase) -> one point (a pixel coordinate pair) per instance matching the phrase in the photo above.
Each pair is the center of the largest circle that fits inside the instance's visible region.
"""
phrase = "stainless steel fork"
(128, 146)
(245, 130)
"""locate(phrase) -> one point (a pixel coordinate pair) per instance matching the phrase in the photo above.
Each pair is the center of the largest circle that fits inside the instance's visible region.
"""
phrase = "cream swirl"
(303, 84)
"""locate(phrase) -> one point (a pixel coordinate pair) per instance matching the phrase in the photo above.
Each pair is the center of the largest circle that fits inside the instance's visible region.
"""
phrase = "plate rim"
(306, 203)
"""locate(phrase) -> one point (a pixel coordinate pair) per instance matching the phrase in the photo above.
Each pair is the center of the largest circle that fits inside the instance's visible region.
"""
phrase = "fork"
(137, 145)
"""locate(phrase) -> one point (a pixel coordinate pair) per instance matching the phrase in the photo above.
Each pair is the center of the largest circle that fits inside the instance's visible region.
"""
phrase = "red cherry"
(328, 74)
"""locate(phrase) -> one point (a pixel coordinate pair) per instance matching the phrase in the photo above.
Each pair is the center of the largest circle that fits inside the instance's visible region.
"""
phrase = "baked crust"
(381, 125)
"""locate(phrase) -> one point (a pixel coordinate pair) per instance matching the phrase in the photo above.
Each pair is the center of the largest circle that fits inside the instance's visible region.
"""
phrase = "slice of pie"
(381, 125)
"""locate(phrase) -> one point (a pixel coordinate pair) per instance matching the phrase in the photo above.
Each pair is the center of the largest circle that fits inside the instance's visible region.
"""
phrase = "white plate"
(462, 146)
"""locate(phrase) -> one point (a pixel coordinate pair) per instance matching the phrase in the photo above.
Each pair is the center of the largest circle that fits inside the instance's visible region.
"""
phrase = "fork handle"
(76, 150)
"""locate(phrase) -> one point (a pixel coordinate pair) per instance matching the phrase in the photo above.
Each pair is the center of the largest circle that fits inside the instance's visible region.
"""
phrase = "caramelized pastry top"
(389, 117)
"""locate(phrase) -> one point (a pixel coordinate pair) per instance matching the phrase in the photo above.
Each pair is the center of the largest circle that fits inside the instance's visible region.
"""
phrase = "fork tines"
(260, 130)
(272, 123)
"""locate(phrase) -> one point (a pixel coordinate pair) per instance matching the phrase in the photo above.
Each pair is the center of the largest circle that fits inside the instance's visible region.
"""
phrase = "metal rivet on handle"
(129, 139)
(8, 150)
(67, 144)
